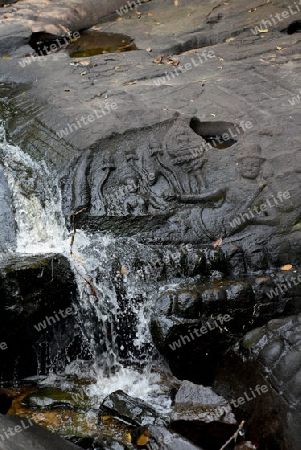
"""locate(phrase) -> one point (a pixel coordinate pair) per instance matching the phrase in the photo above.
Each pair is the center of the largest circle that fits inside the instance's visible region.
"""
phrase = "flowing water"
(115, 296)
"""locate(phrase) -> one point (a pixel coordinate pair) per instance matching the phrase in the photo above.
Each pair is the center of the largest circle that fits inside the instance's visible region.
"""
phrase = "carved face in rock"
(152, 178)
(132, 185)
(250, 167)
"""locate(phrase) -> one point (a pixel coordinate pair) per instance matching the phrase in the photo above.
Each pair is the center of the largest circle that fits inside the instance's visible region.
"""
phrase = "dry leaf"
(123, 270)
(117, 67)
(171, 62)
(265, 30)
(279, 48)
(149, 49)
(149, 14)
(128, 437)
(119, 18)
(105, 96)
(286, 267)
(230, 39)
(143, 439)
(218, 242)
(83, 73)
(129, 83)
(158, 59)
(84, 63)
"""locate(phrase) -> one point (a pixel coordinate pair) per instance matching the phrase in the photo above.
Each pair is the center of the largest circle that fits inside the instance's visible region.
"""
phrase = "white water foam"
(41, 230)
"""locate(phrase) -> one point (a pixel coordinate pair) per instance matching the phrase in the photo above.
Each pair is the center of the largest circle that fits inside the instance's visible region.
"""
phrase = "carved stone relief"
(167, 175)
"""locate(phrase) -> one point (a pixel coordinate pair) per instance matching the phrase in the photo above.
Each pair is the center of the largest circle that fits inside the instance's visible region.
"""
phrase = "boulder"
(38, 316)
(159, 438)
(17, 433)
(132, 410)
(202, 416)
(193, 325)
(261, 379)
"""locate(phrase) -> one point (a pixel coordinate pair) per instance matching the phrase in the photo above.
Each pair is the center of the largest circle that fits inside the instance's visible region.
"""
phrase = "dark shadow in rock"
(218, 134)
(45, 43)
(5, 403)
(294, 27)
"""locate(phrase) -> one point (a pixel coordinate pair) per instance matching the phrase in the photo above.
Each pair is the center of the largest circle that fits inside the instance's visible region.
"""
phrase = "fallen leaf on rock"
(149, 49)
(83, 73)
(213, 115)
(143, 439)
(158, 59)
(230, 39)
(117, 67)
(128, 437)
(265, 30)
(166, 60)
(84, 63)
(119, 18)
(129, 83)
(218, 242)
(286, 267)
(149, 14)
(5, 17)
(279, 48)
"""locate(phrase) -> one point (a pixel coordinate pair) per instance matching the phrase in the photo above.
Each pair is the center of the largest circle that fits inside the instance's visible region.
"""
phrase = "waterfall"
(114, 300)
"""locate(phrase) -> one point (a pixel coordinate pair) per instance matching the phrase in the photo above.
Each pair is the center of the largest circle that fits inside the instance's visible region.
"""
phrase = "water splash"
(114, 303)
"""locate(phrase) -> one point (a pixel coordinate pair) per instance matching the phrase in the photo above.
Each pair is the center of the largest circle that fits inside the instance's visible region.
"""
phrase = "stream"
(113, 303)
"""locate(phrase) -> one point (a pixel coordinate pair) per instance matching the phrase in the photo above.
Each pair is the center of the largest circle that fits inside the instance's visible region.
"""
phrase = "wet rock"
(104, 443)
(261, 378)
(132, 410)
(54, 20)
(192, 326)
(17, 433)
(7, 220)
(50, 397)
(202, 416)
(35, 335)
(159, 438)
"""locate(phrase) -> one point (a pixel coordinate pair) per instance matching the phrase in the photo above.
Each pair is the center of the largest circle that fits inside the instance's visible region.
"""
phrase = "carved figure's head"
(250, 161)
(131, 185)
